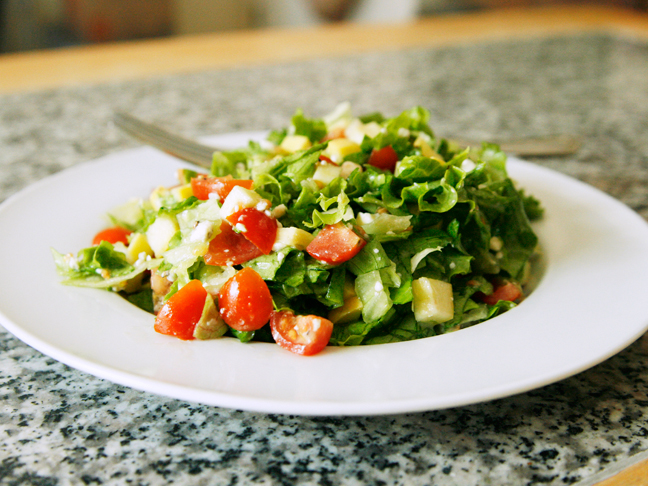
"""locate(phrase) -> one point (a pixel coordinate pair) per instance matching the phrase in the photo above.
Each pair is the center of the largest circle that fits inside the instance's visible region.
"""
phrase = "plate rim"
(305, 407)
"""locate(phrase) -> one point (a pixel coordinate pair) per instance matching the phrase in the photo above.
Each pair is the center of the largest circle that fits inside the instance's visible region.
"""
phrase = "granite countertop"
(62, 426)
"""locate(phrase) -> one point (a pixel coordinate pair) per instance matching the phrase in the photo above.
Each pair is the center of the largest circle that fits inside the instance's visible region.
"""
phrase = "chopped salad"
(339, 231)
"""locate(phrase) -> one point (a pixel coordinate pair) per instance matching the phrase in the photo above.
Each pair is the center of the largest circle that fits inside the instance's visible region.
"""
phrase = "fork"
(202, 155)
(168, 142)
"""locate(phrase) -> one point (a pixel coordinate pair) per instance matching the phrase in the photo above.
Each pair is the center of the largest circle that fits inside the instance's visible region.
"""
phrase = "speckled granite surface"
(61, 426)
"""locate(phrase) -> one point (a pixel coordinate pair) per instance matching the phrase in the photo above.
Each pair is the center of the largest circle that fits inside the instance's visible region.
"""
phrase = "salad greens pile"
(444, 213)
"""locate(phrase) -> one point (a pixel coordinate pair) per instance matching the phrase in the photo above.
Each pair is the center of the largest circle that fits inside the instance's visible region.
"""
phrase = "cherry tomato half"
(305, 335)
(202, 186)
(257, 227)
(384, 158)
(333, 134)
(112, 235)
(509, 291)
(180, 314)
(230, 248)
(244, 302)
(326, 160)
(335, 244)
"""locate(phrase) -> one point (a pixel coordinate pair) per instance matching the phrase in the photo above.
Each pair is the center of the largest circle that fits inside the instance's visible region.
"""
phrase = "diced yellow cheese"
(349, 289)
(339, 148)
(160, 232)
(325, 173)
(347, 169)
(158, 197)
(293, 237)
(350, 311)
(180, 193)
(426, 150)
(356, 130)
(432, 300)
(294, 143)
(138, 245)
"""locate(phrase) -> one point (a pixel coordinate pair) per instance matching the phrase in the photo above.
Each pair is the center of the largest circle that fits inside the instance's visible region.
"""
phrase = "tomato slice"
(305, 335)
(384, 158)
(256, 226)
(335, 244)
(230, 248)
(509, 291)
(112, 235)
(180, 314)
(202, 186)
(244, 302)
(326, 160)
(333, 134)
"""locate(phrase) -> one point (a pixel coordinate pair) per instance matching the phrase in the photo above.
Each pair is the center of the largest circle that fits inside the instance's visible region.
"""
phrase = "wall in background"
(38, 24)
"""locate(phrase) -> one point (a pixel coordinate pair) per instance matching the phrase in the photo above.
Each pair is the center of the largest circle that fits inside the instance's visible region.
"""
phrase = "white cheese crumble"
(279, 211)
(71, 261)
(468, 165)
(263, 205)
(202, 232)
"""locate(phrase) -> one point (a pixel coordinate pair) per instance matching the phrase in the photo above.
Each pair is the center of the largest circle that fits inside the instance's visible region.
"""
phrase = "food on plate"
(339, 230)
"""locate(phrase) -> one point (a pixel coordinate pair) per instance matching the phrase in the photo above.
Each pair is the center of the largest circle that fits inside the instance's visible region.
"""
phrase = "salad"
(336, 231)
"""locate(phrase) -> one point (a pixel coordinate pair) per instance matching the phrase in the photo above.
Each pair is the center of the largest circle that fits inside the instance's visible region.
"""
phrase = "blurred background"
(44, 24)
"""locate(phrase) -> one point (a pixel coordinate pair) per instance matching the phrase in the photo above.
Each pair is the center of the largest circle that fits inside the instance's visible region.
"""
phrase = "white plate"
(589, 305)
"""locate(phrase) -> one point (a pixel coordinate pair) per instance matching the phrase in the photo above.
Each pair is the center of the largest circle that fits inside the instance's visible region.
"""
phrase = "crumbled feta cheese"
(365, 218)
(240, 228)
(262, 205)
(279, 211)
(468, 165)
(403, 132)
(141, 258)
(378, 287)
(71, 261)
(202, 232)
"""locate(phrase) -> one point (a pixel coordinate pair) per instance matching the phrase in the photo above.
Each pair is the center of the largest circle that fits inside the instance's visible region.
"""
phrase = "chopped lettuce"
(446, 213)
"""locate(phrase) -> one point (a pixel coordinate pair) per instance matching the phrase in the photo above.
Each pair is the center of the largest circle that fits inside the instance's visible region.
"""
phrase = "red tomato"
(180, 314)
(335, 244)
(326, 160)
(384, 158)
(244, 302)
(112, 235)
(337, 133)
(230, 248)
(509, 291)
(202, 186)
(306, 335)
(260, 229)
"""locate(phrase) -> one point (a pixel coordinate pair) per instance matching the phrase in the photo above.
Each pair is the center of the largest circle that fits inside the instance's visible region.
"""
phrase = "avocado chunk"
(211, 324)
